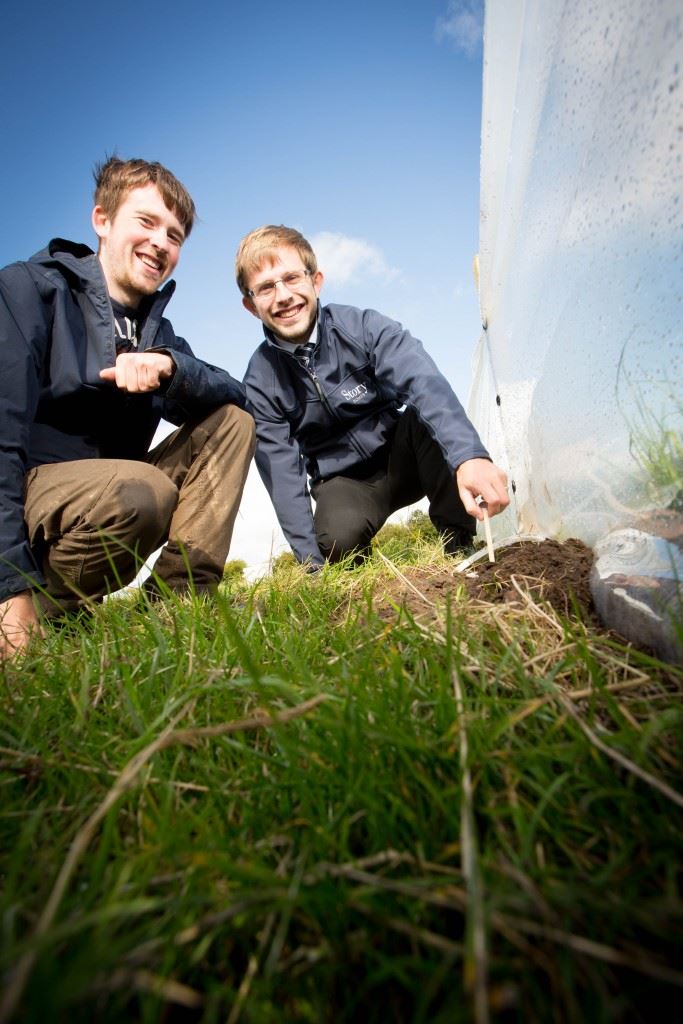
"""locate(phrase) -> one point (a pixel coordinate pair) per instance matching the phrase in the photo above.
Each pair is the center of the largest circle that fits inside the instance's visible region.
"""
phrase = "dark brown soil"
(547, 570)
(558, 573)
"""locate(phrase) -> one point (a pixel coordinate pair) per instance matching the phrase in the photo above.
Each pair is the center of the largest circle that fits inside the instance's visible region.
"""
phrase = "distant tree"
(233, 571)
(283, 563)
(420, 525)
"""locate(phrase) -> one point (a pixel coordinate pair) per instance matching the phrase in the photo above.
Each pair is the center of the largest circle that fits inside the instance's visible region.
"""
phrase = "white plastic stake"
(487, 532)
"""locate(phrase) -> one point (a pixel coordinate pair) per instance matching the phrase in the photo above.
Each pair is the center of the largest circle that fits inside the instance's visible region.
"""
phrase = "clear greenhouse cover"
(577, 387)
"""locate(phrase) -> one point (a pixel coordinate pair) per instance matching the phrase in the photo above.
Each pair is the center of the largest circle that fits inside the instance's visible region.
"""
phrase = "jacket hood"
(79, 267)
(72, 258)
(77, 260)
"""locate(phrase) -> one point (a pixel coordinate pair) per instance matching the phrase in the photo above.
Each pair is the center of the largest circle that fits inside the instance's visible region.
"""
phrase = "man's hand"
(138, 372)
(18, 620)
(480, 477)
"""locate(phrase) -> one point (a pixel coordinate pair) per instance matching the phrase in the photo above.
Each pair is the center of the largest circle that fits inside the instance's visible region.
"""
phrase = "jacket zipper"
(331, 411)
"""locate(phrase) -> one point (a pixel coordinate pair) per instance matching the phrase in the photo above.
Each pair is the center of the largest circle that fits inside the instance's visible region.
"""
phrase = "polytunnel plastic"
(577, 385)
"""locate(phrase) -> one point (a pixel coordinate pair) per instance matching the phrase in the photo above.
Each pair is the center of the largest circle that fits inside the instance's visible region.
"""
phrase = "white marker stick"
(487, 532)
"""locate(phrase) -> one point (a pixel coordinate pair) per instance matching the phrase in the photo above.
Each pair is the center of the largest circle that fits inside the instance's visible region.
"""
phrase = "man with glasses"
(349, 400)
(88, 366)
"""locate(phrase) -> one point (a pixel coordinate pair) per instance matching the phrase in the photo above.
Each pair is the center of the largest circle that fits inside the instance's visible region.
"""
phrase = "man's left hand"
(480, 477)
(138, 372)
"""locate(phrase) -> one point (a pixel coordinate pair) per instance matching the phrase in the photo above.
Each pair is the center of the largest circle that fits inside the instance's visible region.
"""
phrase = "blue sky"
(358, 123)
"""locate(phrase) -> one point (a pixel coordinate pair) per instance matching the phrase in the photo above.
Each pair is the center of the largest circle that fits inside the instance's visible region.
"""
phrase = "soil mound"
(559, 573)
(547, 570)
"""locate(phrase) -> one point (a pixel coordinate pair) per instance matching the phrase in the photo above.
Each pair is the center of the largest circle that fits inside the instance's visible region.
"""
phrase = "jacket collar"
(80, 267)
(78, 261)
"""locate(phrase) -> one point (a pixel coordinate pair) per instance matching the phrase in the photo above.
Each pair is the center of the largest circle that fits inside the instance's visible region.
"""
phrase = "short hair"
(114, 178)
(256, 247)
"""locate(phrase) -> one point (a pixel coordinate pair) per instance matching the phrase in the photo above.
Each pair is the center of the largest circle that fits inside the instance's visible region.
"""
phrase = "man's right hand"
(18, 620)
(139, 372)
(480, 477)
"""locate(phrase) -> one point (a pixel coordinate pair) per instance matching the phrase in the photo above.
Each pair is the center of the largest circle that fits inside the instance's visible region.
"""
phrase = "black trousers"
(352, 507)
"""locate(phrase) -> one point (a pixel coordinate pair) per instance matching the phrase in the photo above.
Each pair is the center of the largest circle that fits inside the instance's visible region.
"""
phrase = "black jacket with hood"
(56, 334)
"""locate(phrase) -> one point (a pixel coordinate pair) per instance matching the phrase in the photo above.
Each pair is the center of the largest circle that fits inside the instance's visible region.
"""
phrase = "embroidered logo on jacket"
(355, 394)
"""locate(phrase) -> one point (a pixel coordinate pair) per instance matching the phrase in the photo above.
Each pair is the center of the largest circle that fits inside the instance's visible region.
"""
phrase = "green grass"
(656, 443)
(440, 837)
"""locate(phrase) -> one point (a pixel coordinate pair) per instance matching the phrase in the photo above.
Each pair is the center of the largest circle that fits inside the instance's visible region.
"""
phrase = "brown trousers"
(93, 522)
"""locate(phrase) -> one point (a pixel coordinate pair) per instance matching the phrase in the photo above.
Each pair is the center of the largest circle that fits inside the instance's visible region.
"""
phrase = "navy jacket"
(318, 423)
(56, 334)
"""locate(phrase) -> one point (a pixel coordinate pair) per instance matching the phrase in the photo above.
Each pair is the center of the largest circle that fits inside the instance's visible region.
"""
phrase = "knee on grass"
(346, 541)
(138, 506)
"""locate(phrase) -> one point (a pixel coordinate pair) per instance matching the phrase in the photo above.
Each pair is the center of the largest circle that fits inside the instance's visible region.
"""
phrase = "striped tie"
(304, 353)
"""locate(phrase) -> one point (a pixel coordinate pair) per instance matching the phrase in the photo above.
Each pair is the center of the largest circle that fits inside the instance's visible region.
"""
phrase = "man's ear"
(100, 222)
(318, 279)
(249, 305)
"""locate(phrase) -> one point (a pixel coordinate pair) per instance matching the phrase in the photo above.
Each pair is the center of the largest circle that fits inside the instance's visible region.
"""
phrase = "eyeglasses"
(266, 290)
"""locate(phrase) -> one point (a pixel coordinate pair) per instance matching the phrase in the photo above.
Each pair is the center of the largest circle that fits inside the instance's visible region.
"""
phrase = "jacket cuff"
(481, 453)
(18, 571)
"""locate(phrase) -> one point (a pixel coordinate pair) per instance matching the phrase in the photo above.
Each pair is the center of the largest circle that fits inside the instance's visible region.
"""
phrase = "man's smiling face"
(288, 309)
(139, 245)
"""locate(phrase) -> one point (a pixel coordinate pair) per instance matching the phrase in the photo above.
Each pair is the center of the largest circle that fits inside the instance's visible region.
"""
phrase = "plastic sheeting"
(577, 387)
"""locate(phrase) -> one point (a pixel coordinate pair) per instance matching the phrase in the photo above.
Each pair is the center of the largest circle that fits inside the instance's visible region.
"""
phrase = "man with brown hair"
(88, 367)
(347, 399)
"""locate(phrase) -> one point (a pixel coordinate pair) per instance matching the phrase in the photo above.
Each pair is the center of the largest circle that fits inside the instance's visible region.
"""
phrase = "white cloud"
(463, 25)
(342, 258)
